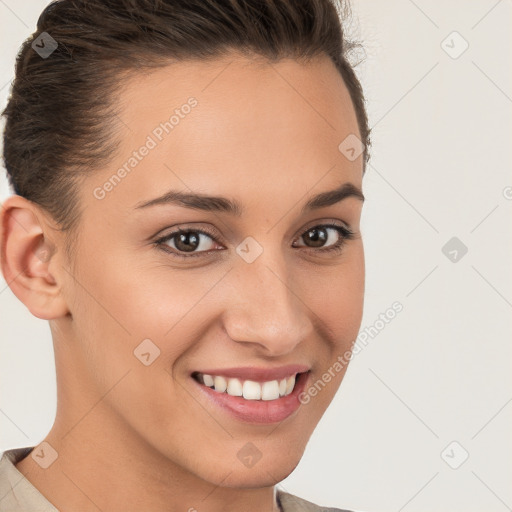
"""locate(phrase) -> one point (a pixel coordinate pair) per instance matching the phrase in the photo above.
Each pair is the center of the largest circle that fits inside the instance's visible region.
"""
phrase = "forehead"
(233, 126)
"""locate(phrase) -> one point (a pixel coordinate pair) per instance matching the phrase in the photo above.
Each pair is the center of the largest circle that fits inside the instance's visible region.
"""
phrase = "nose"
(267, 309)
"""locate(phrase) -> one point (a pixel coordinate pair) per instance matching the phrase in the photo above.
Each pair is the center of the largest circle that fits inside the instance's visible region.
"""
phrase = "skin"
(266, 135)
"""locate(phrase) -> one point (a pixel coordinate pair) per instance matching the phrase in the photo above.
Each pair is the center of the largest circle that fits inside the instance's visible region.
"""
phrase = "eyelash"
(346, 234)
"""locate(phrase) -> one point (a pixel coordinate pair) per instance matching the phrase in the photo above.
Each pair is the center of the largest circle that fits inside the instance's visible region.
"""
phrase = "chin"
(265, 473)
(252, 479)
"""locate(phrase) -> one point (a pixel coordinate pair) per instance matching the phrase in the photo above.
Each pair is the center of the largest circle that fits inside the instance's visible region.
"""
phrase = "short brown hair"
(60, 117)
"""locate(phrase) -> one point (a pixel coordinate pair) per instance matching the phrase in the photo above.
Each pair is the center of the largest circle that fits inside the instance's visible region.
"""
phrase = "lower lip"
(258, 411)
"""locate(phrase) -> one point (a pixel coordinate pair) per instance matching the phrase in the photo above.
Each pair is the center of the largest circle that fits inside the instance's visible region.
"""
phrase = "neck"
(95, 471)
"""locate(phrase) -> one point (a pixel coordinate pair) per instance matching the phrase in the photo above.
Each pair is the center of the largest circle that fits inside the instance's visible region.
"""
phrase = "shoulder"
(17, 494)
(290, 503)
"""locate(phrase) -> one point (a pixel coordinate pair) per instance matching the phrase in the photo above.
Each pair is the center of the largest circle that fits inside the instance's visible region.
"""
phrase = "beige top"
(17, 494)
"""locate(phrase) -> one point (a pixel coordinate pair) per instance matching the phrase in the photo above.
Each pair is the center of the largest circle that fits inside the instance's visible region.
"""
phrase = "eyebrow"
(221, 204)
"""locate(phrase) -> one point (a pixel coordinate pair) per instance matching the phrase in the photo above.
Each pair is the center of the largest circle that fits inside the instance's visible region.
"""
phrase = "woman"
(187, 193)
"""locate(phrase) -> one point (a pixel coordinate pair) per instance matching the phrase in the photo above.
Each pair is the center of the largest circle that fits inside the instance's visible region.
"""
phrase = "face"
(256, 280)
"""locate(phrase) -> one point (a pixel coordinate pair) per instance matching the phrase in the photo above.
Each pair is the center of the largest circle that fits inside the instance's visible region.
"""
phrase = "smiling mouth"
(249, 389)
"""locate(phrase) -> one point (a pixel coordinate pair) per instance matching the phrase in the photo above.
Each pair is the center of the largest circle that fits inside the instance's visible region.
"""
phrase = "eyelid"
(326, 222)
(180, 228)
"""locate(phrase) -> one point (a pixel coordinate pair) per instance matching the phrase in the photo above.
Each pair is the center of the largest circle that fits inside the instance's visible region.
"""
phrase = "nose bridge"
(266, 309)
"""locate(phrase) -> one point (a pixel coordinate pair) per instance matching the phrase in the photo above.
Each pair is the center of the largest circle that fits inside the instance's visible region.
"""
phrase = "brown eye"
(187, 242)
(328, 236)
(195, 242)
(316, 237)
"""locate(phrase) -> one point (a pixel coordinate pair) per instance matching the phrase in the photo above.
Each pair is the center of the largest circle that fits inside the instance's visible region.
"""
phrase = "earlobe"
(28, 258)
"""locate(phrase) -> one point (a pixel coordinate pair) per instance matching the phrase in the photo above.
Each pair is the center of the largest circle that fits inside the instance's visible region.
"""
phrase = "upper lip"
(257, 374)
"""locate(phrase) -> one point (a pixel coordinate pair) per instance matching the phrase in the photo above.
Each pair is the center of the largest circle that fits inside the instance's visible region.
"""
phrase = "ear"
(28, 258)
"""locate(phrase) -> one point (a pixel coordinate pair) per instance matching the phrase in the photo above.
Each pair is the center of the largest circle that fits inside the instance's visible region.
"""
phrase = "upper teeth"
(249, 389)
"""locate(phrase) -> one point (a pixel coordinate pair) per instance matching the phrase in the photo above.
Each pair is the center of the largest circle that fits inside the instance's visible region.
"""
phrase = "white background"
(440, 371)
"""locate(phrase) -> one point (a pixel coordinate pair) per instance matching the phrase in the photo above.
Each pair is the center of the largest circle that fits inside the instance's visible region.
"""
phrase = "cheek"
(343, 304)
(130, 329)
(130, 310)
(339, 306)
(338, 295)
